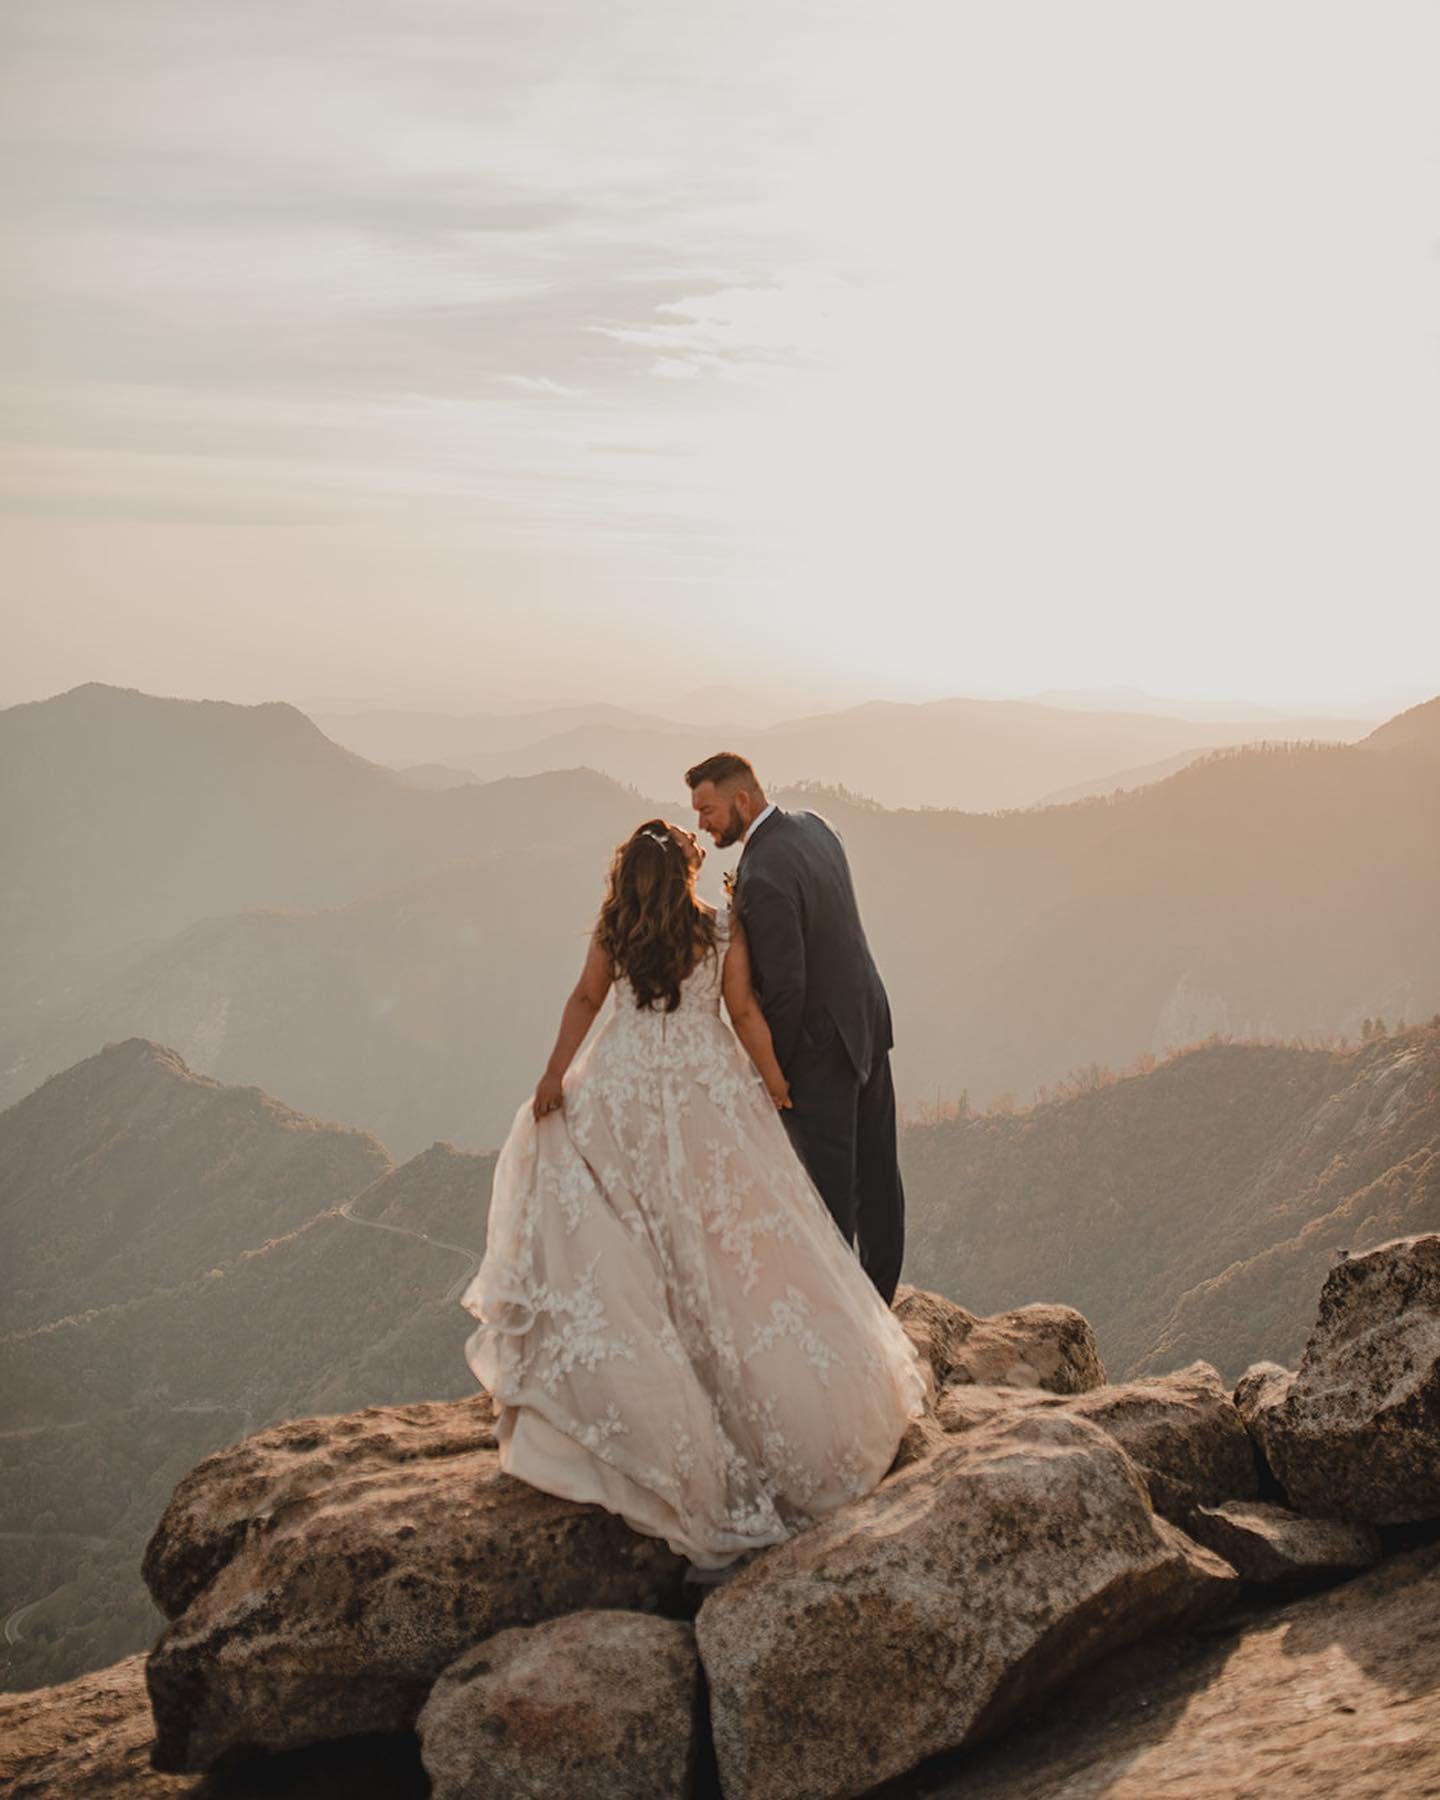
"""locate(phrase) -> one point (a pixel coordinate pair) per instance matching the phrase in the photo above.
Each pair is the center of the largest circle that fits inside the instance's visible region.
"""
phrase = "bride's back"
(699, 990)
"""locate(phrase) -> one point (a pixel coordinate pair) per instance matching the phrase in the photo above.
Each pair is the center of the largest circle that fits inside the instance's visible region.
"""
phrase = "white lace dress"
(670, 1320)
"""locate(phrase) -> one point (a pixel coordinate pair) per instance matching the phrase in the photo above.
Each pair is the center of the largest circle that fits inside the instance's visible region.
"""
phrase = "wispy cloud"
(743, 333)
(463, 206)
(810, 300)
(541, 384)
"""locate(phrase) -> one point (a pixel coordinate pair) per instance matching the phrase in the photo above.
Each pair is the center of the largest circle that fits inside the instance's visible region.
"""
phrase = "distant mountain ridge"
(421, 1010)
(130, 1173)
(966, 754)
(1129, 698)
(1124, 780)
(1269, 892)
(1418, 729)
(132, 816)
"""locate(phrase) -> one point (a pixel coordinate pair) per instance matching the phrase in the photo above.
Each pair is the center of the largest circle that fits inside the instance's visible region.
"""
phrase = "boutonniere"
(728, 883)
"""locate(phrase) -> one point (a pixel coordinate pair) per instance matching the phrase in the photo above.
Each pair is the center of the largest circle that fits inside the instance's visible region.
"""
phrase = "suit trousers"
(843, 1127)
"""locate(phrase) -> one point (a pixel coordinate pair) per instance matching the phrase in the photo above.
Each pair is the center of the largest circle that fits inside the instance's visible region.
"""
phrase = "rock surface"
(1356, 1433)
(923, 1437)
(1049, 1347)
(596, 1703)
(925, 1614)
(235, 1492)
(1182, 1432)
(346, 1561)
(1270, 1545)
(90, 1739)
(1333, 1697)
(1262, 1385)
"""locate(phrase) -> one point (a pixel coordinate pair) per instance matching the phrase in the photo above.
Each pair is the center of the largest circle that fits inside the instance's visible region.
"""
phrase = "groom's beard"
(735, 829)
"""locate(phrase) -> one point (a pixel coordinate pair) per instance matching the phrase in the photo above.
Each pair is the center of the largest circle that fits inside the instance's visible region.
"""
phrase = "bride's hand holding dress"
(581, 1010)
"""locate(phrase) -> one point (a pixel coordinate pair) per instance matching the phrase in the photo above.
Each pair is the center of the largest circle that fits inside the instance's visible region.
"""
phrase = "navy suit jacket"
(813, 971)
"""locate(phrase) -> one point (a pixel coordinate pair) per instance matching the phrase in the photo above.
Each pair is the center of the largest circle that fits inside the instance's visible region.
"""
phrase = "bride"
(670, 1321)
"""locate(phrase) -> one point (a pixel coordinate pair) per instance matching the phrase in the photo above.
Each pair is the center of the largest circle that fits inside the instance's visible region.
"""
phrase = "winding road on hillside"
(16, 1616)
(473, 1257)
(13, 1619)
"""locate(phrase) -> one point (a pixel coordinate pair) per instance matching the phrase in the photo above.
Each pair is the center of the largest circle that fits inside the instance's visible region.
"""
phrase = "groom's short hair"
(725, 765)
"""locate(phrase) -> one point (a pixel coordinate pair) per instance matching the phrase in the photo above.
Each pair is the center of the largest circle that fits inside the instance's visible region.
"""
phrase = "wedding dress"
(671, 1323)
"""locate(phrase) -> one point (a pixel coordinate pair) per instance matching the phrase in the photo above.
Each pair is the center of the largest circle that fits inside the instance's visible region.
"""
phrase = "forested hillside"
(1189, 1211)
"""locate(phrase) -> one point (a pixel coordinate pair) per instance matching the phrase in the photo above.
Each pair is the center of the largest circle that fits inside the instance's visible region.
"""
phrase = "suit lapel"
(758, 832)
(745, 854)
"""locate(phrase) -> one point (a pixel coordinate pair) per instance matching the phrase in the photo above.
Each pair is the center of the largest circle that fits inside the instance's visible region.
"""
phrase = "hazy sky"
(584, 347)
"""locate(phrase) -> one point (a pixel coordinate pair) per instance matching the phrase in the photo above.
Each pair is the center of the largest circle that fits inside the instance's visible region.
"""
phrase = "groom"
(823, 1001)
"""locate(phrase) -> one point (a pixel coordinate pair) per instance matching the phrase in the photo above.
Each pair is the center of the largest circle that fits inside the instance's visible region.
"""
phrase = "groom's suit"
(826, 1008)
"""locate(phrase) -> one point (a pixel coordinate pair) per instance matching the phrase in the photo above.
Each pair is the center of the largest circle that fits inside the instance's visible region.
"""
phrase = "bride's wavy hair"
(651, 925)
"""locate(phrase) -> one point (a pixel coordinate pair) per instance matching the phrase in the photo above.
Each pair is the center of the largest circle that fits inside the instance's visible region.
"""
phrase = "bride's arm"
(747, 1018)
(586, 999)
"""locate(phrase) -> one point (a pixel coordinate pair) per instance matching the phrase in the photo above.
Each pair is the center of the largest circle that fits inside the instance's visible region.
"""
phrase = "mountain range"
(1192, 1210)
(195, 1261)
(190, 1262)
(969, 754)
(395, 958)
(127, 816)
